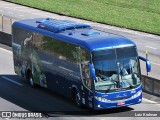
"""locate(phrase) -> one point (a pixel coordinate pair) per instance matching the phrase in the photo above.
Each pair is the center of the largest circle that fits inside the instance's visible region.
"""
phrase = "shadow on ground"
(47, 102)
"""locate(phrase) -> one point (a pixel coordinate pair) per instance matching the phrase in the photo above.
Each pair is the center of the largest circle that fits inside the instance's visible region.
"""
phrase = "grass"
(143, 15)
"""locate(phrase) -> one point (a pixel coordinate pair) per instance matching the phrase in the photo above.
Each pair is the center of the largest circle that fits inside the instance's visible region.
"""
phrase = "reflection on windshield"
(116, 68)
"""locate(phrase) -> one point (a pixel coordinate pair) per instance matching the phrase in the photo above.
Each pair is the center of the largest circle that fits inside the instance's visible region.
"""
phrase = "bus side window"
(38, 40)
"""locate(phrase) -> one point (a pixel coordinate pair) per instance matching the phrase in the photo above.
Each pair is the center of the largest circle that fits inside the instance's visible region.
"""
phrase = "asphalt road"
(144, 41)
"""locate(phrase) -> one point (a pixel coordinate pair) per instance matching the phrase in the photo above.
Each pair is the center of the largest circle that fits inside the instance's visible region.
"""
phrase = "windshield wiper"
(108, 88)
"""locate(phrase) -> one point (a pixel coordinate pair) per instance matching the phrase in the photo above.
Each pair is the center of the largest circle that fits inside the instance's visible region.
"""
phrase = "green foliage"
(141, 15)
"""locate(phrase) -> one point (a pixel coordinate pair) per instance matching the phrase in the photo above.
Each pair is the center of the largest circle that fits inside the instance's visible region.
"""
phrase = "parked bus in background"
(95, 69)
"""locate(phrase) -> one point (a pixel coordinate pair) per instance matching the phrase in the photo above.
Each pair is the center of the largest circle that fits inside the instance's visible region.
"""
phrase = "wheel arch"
(28, 72)
(74, 89)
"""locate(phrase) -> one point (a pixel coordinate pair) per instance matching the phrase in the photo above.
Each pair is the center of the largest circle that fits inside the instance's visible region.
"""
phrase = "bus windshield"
(116, 69)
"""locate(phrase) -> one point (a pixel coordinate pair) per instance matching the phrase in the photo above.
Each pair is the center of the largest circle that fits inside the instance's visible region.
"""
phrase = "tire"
(77, 99)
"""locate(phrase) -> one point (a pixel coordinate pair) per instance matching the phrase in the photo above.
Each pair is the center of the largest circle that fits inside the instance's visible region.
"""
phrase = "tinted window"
(108, 54)
(62, 50)
(21, 36)
(38, 40)
(126, 52)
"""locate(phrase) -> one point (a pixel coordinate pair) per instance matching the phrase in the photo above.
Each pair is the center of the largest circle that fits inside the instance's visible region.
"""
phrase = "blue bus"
(93, 68)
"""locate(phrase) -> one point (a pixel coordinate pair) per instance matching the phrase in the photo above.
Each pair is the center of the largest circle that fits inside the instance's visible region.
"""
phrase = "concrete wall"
(151, 85)
(5, 38)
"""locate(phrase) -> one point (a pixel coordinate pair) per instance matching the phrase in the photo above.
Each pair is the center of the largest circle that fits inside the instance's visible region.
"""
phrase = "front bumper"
(98, 105)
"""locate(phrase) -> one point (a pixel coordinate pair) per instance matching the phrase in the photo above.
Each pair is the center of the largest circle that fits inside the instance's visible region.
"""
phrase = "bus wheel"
(77, 99)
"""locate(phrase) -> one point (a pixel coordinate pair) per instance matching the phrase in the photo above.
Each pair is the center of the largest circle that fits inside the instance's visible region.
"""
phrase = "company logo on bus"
(121, 96)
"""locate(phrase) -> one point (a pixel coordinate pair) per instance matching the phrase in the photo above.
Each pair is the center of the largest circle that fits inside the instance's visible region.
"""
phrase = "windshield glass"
(116, 69)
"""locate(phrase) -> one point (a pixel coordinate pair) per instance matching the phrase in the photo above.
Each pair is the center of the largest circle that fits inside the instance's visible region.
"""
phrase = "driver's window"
(134, 66)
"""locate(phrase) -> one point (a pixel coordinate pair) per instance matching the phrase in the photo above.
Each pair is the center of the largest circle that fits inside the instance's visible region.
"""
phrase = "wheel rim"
(77, 99)
(31, 81)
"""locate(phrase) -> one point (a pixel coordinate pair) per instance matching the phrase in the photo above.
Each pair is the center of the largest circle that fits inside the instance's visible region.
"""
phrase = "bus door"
(87, 89)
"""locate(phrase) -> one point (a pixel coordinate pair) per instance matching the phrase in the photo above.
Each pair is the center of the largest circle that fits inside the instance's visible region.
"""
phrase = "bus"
(93, 68)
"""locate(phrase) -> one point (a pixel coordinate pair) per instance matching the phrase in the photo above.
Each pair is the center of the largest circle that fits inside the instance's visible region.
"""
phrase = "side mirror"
(148, 64)
(92, 71)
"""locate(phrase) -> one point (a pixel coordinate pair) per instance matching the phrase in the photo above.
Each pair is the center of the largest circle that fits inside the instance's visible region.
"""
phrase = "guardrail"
(150, 85)
(6, 29)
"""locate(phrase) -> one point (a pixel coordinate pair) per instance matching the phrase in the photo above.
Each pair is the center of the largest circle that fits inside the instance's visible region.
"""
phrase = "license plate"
(120, 103)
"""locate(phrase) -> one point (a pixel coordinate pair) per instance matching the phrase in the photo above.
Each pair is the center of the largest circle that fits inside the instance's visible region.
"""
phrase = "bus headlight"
(137, 94)
(101, 99)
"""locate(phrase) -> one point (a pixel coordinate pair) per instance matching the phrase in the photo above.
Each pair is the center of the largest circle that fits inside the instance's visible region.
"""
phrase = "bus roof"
(76, 33)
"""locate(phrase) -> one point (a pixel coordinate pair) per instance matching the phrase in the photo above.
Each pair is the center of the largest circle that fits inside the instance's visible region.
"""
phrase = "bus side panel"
(54, 56)
(60, 74)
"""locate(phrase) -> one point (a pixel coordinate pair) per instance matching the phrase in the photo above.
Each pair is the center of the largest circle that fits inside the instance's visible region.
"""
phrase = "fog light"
(99, 106)
(137, 94)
